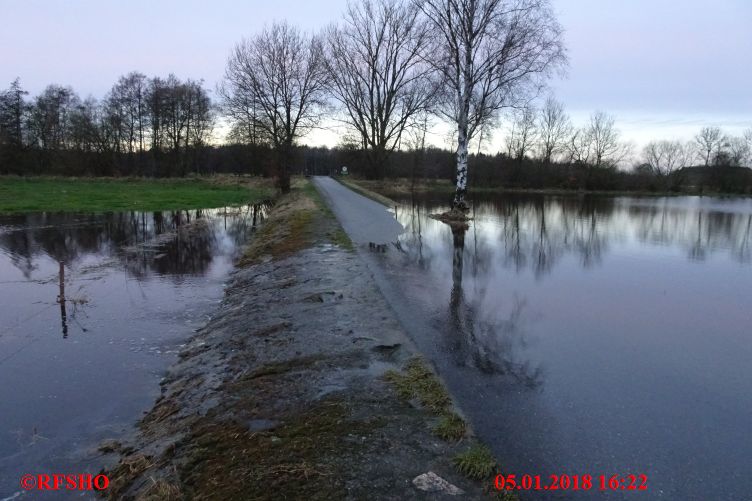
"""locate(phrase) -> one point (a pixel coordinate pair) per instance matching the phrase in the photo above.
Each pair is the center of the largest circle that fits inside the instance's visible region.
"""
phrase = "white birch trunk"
(463, 100)
(461, 187)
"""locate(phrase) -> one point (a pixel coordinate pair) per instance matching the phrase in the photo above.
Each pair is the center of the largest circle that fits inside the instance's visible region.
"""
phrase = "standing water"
(93, 309)
(592, 335)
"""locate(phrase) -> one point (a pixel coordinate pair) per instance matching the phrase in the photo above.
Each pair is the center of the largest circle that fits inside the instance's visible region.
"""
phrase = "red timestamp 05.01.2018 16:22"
(571, 482)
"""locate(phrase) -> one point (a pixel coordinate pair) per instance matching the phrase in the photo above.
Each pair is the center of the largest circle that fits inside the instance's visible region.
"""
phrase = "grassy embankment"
(45, 194)
(299, 220)
(312, 451)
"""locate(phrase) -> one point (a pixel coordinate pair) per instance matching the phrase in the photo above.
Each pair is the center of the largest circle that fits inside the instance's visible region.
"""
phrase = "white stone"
(431, 482)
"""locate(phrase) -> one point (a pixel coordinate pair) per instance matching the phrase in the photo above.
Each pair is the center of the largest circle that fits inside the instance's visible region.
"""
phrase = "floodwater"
(93, 309)
(592, 335)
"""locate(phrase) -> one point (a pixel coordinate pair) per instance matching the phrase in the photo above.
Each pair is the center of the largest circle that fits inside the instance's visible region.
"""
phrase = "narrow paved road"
(486, 399)
(363, 219)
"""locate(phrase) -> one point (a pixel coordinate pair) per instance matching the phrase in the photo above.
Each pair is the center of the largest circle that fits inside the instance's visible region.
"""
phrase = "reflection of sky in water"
(135, 285)
(594, 334)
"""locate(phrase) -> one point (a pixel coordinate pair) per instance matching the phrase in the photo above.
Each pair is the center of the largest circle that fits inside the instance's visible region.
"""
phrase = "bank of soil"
(302, 386)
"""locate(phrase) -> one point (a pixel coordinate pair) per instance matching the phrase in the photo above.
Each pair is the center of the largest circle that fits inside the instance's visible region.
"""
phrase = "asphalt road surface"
(364, 220)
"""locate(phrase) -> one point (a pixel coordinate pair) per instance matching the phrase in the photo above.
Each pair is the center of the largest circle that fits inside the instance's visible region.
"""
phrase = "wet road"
(363, 219)
(558, 334)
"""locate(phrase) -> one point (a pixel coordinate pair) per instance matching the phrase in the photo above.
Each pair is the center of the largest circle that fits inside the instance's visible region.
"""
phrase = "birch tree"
(378, 75)
(491, 54)
(280, 75)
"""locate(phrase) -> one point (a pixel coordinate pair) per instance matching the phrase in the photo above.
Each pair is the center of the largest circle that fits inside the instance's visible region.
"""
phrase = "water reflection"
(162, 243)
(592, 333)
(482, 339)
(94, 308)
(536, 232)
(166, 244)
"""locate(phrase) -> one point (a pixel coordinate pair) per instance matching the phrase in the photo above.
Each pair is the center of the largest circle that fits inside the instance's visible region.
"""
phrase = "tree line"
(388, 71)
(143, 126)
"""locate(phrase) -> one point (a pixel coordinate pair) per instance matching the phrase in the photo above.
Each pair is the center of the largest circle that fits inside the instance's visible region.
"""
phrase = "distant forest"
(163, 127)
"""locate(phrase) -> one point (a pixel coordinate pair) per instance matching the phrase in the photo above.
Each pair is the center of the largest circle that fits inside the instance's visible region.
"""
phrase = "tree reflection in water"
(484, 341)
(534, 234)
(163, 243)
(168, 244)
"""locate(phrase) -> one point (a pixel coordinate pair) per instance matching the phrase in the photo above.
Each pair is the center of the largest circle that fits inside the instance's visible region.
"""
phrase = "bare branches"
(709, 140)
(491, 54)
(377, 73)
(666, 157)
(554, 127)
(523, 133)
(598, 143)
(275, 83)
(604, 139)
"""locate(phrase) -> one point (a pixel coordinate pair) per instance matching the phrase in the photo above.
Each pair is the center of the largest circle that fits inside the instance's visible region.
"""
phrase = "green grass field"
(102, 195)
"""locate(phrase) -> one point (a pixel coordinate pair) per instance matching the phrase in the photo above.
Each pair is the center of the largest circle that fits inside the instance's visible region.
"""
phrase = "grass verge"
(477, 462)
(359, 187)
(294, 225)
(417, 381)
(37, 194)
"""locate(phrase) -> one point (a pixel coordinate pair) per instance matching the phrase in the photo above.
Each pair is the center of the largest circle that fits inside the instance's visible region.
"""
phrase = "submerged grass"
(20, 194)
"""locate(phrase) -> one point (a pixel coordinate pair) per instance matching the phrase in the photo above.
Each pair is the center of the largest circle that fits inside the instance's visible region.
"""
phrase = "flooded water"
(93, 309)
(593, 335)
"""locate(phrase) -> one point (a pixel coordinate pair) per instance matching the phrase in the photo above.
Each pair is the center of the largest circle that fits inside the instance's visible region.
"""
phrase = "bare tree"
(49, 117)
(377, 73)
(604, 140)
(709, 141)
(490, 53)
(748, 139)
(739, 150)
(522, 133)
(554, 128)
(579, 146)
(127, 101)
(282, 73)
(666, 158)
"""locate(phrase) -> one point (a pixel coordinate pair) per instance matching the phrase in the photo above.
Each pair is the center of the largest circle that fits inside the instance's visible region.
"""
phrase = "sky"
(662, 68)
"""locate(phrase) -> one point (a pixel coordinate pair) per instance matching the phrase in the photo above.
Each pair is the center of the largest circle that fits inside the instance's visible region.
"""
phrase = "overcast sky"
(664, 68)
